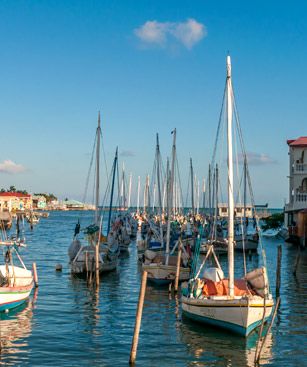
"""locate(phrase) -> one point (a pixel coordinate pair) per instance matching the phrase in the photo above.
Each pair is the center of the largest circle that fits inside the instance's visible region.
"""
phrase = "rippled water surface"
(67, 323)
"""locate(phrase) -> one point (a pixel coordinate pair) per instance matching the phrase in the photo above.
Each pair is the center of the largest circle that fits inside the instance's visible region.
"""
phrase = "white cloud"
(152, 32)
(11, 167)
(161, 34)
(257, 159)
(189, 32)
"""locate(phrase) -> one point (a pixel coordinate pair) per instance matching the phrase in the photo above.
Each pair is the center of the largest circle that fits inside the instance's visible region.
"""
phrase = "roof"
(300, 142)
(15, 194)
(38, 197)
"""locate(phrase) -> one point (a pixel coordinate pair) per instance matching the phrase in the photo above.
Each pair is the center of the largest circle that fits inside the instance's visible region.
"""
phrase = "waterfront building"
(73, 205)
(239, 210)
(296, 209)
(13, 201)
(39, 202)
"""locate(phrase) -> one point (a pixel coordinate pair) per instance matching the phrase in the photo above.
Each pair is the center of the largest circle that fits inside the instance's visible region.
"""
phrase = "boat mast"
(244, 198)
(122, 193)
(112, 190)
(204, 195)
(98, 132)
(154, 197)
(158, 158)
(192, 186)
(147, 193)
(129, 193)
(216, 199)
(209, 190)
(138, 198)
(168, 208)
(230, 182)
(144, 196)
(197, 202)
(170, 200)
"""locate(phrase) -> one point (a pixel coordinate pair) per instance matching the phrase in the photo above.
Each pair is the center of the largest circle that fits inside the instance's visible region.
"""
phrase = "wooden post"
(268, 330)
(178, 267)
(297, 259)
(261, 327)
(278, 268)
(138, 319)
(35, 277)
(86, 264)
(97, 262)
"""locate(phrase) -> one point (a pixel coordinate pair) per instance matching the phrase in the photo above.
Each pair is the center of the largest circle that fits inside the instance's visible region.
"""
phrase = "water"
(66, 323)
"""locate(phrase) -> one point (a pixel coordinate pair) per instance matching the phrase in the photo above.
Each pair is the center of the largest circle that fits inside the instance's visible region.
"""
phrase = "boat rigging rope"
(249, 180)
(89, 171)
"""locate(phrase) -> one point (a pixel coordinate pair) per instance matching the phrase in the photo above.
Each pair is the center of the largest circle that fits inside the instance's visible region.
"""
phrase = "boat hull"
(11, 297)
(79, 267)
(165, 274)
(249, 245)
(240, 316)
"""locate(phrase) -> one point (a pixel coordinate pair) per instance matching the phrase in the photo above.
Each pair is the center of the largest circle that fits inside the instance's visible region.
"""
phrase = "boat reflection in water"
(221, 348)
(15, 329)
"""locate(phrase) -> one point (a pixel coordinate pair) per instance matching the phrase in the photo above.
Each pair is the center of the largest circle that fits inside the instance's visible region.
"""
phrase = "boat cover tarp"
(220, 288)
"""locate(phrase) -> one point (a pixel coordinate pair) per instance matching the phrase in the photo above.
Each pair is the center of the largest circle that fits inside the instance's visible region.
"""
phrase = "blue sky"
(62, 61)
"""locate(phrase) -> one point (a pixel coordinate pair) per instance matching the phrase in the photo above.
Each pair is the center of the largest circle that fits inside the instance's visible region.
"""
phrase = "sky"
(148, 66)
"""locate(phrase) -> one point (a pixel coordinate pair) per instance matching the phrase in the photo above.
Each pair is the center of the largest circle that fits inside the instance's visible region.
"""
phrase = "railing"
(301, 197)
(301, 167)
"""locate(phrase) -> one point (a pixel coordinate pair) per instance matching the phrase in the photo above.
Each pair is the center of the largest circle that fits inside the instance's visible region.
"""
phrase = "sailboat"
(100, 253)
(16, 282)
(237, 305)
(153, 229)
(161, 266)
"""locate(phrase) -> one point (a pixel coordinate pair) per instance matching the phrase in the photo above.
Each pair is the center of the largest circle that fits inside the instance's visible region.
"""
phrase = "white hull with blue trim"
(240, 315)
(16, 288)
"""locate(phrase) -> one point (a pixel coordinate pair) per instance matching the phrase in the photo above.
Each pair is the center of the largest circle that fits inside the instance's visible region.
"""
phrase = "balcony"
(299, 197)
(301, 168)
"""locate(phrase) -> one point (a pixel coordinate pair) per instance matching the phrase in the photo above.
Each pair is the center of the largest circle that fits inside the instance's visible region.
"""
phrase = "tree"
(12, 188)
(49, 197)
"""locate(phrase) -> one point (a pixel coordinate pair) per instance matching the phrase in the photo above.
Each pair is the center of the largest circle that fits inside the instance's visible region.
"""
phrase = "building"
(73, 205)
(13, 201)
(296, 209)
(239, 210)
(39, 202)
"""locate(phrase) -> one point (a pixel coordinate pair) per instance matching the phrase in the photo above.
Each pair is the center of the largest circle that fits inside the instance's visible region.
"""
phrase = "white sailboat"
(161, 267)
(100, 253)
(238, 305)
(16, 281)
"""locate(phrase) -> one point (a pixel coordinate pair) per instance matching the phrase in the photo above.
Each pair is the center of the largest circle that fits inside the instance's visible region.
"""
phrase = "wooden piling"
(35, 277)
(86, 264)
(261, 326)
(138, 319)
(297, 259)
(178, 267)
(97, 262)
(268, 330)
(278, 269)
